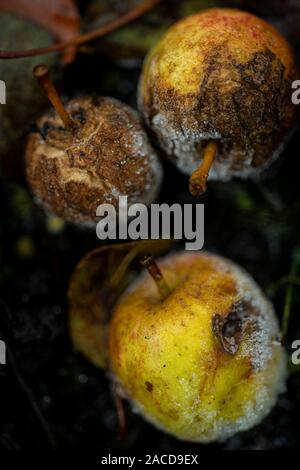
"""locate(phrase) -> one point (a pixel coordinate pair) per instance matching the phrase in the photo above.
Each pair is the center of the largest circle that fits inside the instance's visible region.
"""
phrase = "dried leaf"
(97, 282)
(59, 17)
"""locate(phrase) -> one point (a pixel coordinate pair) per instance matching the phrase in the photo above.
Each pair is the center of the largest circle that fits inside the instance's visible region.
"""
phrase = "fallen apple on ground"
(198, 351)
(216, 92)
(88, 153)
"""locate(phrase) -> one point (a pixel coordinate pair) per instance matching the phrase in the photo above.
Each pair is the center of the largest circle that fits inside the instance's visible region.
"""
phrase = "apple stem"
(150, 264)
(41, 73)
(199, 177)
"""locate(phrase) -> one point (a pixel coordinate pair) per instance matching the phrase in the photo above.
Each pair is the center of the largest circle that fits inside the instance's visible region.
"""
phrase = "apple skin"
(224, 75)
(170, 364)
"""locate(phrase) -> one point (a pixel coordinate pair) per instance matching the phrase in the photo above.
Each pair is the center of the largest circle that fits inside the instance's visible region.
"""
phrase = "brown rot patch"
(106, 154)
(149, 386)
(228, 331)
(251, 108)
(247, 104)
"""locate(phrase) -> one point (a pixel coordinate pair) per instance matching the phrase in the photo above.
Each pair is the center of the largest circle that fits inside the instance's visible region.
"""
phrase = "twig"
(108, 28)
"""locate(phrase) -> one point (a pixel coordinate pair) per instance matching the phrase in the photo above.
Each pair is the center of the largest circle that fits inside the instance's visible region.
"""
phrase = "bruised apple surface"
(222, 75)
(205, 362)
(105, 156)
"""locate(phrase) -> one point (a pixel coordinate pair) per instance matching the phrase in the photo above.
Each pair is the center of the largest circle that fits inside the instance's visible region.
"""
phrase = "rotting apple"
(198, 352)
(88, 153)
(216, 92)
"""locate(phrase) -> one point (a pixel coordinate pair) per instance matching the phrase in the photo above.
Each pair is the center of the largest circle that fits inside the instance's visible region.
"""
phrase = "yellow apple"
(205, 361)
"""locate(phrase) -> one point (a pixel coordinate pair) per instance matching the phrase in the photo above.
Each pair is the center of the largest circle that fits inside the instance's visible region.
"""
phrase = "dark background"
(51, 397)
